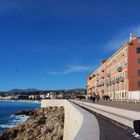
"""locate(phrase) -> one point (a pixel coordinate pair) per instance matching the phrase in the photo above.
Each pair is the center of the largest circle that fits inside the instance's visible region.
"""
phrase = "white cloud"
(121, 38)
(72, 69)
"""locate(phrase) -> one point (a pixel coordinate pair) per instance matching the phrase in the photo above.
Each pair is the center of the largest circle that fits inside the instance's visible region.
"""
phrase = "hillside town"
(41, 94)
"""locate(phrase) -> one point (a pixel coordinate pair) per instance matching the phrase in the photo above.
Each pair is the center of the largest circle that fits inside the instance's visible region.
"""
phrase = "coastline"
(44, 123)
(28, 101)
(8, 109)
(15, 121)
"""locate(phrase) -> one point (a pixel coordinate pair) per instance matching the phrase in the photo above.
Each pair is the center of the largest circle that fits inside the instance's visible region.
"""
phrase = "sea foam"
(14, 120)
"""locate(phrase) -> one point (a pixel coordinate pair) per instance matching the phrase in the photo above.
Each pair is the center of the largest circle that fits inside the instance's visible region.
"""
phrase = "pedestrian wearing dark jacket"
(136, 125)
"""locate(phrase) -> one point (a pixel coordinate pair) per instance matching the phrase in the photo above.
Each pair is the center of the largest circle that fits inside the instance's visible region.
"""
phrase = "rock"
(42, 120)
(43, 124)
(57, 137)
(25, 112)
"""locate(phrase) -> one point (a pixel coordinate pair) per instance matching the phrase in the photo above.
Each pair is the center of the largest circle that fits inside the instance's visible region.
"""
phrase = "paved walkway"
(109, 130)
(90, 127)
(122, 105)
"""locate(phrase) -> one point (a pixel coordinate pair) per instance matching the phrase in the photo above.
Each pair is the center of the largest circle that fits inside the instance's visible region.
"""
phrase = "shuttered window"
(137, 50)
(138, 84)
(138, 72)
(138, 60)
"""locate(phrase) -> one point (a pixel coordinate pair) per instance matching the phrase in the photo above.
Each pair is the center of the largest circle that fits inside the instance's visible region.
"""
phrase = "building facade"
(119, 75)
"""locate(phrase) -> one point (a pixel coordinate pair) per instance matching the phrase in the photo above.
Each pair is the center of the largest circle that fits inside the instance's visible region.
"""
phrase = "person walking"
(93, 96)
(136, 125)
(98, 98)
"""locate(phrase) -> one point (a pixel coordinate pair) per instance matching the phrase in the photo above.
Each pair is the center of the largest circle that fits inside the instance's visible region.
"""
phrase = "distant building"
(22, 97)
(48, 96)
(119, 75)
(42, 96)
(31, 97)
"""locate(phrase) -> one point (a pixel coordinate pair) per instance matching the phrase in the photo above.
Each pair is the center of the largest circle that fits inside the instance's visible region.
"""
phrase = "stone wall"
(73, 118)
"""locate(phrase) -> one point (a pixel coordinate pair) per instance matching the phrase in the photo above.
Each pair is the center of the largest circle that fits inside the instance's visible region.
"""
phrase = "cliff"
(43, 124)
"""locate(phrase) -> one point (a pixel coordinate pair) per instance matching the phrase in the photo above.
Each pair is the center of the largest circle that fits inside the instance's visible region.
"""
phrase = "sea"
(8, 119)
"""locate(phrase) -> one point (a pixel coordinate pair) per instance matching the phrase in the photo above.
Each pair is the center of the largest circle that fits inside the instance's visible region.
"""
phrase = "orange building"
(119, 75)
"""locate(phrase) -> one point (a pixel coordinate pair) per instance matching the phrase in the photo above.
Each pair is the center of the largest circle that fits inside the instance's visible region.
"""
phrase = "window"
(125, 62)
(126, 73)
(138, 72)
(137, 50)
(138, 84)
(138, 60)
(125, 94)
(122, 95)
(123, 86)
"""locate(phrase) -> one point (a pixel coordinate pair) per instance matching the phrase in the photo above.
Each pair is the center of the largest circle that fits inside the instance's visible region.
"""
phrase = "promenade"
(110, 130)
(96, 121)
(123, 105)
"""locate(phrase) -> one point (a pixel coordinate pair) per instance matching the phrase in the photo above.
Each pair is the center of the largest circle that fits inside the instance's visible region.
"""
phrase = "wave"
(12, 115)
(13, 121)
(7, 126)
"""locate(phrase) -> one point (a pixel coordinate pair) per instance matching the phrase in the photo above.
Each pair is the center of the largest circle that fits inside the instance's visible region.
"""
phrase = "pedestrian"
(98, 98)
(93, 98)
(107, 97)
(136, 125)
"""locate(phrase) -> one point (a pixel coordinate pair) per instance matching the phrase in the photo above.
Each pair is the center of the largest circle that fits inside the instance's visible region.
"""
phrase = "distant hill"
(37, 91)
(22, 90)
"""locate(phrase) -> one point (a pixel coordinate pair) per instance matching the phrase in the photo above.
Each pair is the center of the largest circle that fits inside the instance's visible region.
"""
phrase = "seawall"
(78, 124)
(123, 116)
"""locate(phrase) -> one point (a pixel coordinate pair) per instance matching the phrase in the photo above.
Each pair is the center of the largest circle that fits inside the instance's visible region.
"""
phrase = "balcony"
(108, 74)
(107, 83)
(102, 77)
(97, 79)
(97, 84)
(113, 82)
(93, 75)
(102, 83)
(121, 79)
(97, 74)
(117, 80)
(102, 70)
(119, 69)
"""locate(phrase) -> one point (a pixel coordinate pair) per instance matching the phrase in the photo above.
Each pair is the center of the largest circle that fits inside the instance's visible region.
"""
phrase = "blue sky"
(55, 44)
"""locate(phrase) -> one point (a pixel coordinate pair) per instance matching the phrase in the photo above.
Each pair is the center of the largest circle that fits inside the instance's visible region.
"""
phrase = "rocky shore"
(43, 124)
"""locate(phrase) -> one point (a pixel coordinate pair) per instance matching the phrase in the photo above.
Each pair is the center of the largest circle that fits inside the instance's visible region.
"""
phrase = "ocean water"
(8, 109)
